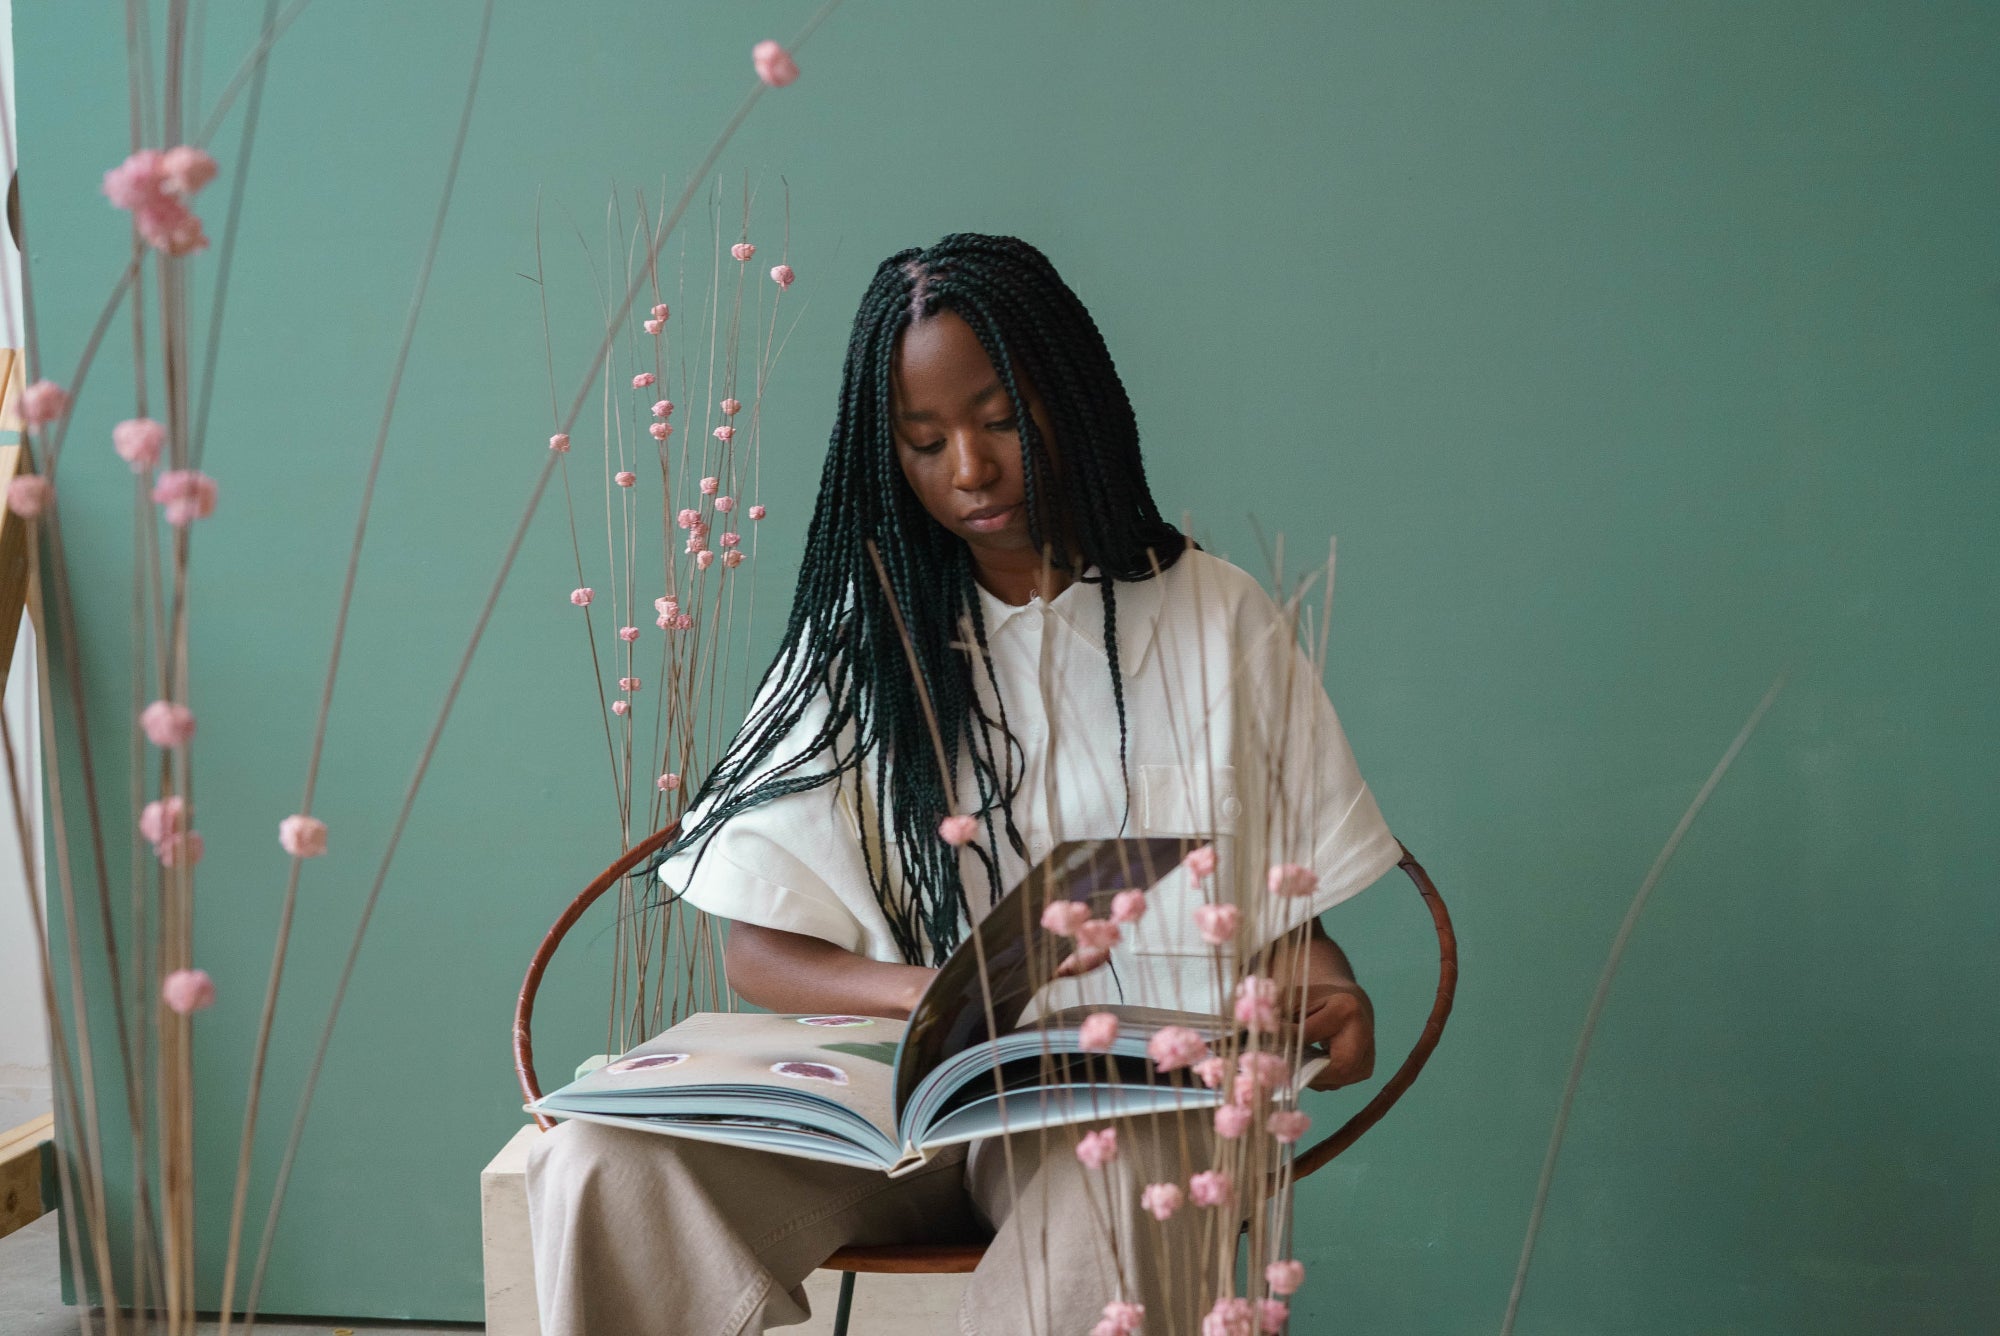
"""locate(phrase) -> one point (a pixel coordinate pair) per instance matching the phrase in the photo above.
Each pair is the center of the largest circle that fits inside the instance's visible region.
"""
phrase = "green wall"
(1635, 353)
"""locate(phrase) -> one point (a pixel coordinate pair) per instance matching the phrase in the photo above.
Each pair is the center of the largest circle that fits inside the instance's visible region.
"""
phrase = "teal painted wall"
(1634, 353)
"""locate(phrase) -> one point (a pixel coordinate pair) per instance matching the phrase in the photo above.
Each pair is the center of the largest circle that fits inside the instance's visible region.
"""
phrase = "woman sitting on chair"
(1091, 673)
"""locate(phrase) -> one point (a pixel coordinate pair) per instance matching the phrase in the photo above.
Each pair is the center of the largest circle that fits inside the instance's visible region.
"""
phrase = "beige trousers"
(637, 1234)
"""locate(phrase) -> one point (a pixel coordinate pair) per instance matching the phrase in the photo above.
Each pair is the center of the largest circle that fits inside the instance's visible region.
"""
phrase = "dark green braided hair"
(841, 636)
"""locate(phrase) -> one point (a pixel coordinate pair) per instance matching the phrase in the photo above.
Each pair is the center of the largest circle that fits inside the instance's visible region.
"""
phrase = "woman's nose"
(973, 466)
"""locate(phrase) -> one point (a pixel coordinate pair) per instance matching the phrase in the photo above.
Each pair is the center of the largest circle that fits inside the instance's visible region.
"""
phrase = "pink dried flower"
(1229, 1317)
(1162, 1199)
(1122, 1319)
(725, 504)
(625, 478)
(1176, 1046)
(959, 830)
(775, 67)
(170, 227)
(1128, 906)
(187, 991)
(733, 557)
(621, 707)
(704, 559)
(783, 276)
(684, 621)
(302, 836)
(743, 250)
(660, 311)
(1098, 934)
(725, 433)
(560, 442)
(1098, 1032)
(167, 724)
(654, 326)
(1288, 1125)
(757, 512)
(663, 409)
(185, 169)
(188, 495)
(732, 538)
(1285, 1277)
(628, 684)
(29, 494)
(582, 597)
(162, 818)
(1098, 1148)
(1292, 881)
(643, 379)
(1217, 923)
(660, 430)
(628, 634)
(697, 542)
(1264, 1071)
(1201, 862)
(1257, 1003)
(182, 850)
(43, 402)
(137, 181)
(668, 782)
(709, 486)
(688, 518)
(138, 442)
(731, 407)
(667, 605)
(1232, 1121)
(1064, 917)
(1212, 1072)
(1210, 1188)
(1271, 1315)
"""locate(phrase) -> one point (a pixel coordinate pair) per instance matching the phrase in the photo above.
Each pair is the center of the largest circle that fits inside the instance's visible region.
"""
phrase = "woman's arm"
(1338, 1013)
(789, 971)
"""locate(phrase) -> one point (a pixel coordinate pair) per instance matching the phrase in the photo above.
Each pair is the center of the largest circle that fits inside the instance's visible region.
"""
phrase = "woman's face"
(956, 437)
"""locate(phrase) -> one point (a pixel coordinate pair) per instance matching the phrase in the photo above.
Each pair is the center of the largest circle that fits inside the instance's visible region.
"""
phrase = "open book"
(872, 1091)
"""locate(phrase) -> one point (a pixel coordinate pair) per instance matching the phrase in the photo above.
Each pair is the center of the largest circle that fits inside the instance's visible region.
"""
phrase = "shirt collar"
(1081, 608)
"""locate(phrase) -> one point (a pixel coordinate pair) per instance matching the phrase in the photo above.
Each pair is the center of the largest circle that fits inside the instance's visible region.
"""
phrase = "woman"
(1087, 672)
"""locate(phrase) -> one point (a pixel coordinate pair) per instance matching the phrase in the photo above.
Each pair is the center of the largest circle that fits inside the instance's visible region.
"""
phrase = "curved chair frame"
(952, 1258)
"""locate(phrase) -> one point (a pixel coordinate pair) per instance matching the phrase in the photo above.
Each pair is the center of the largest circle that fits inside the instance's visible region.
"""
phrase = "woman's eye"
(1008, 425)
(929, 449)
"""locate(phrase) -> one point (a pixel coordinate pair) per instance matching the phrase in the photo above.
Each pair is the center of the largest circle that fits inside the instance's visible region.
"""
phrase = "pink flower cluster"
(1176, 1046)
(29, 495)
(1161, 1200)
(164, 823)
(775, 67)
(1257, 1003)
(742, 250)
(302, 836)
(187, 991)
(1217, 923)
(139, 442)
(188, 496)
(167, 724)
(668, 782)
(155, 187)
(1099, 1148)
(1098, 1032)
(43, 402)
(958, 830)
(1120, 1319)
(1230, 1317)
(782, 275)
(1064, 917)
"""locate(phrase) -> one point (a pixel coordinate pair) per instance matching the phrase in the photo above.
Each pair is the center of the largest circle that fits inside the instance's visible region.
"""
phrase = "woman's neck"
(1016, 577)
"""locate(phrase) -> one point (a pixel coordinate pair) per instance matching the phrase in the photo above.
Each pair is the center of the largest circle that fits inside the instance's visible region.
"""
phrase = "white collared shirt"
(1229, 736)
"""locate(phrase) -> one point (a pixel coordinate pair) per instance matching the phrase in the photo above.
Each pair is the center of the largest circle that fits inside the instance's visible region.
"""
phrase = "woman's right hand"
(792, 972)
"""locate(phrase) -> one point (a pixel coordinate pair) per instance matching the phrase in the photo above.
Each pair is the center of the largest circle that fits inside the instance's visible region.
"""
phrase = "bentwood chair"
(959, 1258)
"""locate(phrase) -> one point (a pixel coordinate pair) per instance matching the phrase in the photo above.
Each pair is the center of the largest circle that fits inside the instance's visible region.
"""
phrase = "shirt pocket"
(1191, 800)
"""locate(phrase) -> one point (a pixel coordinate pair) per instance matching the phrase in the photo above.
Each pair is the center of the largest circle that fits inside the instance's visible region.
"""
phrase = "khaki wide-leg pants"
(638, 1234)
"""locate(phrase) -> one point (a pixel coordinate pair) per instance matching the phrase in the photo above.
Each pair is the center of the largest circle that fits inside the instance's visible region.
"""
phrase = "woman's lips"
(992, 518)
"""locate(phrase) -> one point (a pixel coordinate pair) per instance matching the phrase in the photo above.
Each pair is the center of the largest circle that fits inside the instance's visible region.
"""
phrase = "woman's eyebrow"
(925, 415)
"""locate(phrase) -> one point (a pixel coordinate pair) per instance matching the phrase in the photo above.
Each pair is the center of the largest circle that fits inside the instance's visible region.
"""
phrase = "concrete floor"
(31, 1298)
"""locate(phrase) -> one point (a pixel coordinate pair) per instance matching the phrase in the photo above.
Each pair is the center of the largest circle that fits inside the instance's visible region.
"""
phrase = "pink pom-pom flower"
(668, 782)
(757, 512)
(1288, 1125)
(1261, 1072)
(1200, 863)
(1291, 881)
(1098, 934)
(302, 836)
(725, 504)
(667, 606)
(733, 557)
(560, 442)
(1272, 1315)
(1285, 1277)
(731, 407)
(1257, 1003)
(43, 402)
(167, 724)
(1128, 906)
(664, 408)
(704, 559)
(1212, 1072)
(959, 830)
(743, 250)
(660, 311)
(783, 276)
(688, 518)
(1121, 1318)
(625, 478)
(187, 991)
(182, 850)
(1230, 1317)
(1176, 1046)
(1162, 1199)
(162, 818)
(582, 597)
(138, 442)
(188, 495)
(628, 684)
(1098, 1032)
(660, 430)
(29, 495)
(654, 326)
(710, 486)
(621, 708)
(1217, 923)
(1232, 1121)
(185, 169)
(1098, 1148)
(171, 228)
(1210, 1188)
(725, 433)
(684, 621)
(136, 182)
(775, 67)
(644, 379)
(1064, 917)
(732, 538)
(628, 634)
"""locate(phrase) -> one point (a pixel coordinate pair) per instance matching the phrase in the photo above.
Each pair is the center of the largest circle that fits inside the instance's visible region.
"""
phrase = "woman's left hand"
(1339, 1015)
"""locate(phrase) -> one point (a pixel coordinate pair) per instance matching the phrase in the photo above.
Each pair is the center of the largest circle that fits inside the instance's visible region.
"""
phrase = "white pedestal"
(883, 1305)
